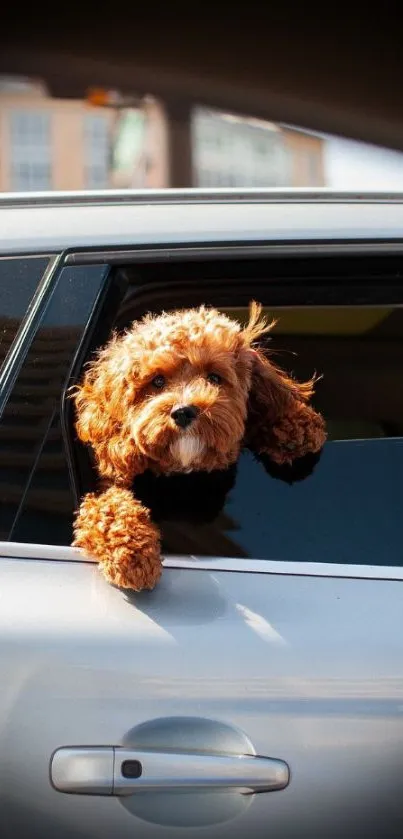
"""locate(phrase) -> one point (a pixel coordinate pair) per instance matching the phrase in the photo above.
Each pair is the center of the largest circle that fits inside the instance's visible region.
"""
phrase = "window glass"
(347, 511)
(18, 281)
(35, 491)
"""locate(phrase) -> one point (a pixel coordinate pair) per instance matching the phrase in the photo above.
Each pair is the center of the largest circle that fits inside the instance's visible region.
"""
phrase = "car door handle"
(118, 771)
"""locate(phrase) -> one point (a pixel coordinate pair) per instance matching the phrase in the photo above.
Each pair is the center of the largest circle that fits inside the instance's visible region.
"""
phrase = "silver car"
(258, 690)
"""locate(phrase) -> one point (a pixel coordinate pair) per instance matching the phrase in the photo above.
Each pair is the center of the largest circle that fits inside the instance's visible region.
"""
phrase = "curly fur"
(281, 423)
(128, 422)
(117, 530)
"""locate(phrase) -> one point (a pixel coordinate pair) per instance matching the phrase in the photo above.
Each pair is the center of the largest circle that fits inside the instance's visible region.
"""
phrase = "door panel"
(308, 669)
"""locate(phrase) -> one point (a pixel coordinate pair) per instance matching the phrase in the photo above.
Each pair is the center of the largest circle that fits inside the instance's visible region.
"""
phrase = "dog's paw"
(116, 529)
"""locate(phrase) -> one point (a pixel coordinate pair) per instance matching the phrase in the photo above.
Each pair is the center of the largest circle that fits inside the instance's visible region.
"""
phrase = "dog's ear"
(280, 421)
(101, 403)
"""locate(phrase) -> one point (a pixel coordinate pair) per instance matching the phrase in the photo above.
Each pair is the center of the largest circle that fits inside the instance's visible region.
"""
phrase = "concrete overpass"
(315, 67)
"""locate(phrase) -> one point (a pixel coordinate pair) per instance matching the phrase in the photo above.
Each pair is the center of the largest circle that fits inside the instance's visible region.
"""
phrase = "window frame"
(115, 256)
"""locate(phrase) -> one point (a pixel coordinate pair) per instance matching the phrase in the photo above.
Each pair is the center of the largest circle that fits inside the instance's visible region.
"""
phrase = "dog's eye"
(214, 379)
(158, 381)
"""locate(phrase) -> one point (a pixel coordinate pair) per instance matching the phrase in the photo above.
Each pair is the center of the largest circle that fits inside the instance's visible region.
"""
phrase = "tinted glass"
(347, 511)
(19, 278)
(35, 492)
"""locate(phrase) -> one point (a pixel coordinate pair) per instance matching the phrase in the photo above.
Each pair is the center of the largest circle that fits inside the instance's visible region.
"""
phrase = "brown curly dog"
(179, 392)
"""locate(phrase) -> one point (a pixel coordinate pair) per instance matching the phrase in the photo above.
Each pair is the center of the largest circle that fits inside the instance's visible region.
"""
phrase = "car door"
(259, 688)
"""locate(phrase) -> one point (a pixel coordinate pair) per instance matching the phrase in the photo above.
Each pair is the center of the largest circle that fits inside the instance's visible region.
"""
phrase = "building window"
(97, 152)
(30, 151)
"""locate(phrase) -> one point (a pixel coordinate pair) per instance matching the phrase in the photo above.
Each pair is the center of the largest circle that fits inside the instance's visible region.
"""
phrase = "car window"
(19, 278)
(35, 489)
(346, 510)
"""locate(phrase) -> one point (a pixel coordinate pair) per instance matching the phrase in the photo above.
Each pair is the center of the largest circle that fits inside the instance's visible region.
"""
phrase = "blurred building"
(231, 151)
(140, 153)
(226, 150)
(48, 143)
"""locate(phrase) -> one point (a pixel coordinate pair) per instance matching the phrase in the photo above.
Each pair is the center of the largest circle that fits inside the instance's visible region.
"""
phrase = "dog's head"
(183, 391)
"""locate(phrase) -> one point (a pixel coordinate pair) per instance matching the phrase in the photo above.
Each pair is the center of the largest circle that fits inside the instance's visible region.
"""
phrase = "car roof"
(54, 222)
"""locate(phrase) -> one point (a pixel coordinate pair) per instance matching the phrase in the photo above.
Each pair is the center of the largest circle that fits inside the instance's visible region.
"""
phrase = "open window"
(342, 317)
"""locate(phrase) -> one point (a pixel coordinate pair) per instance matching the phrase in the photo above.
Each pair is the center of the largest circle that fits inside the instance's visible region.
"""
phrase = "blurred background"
(112, 141)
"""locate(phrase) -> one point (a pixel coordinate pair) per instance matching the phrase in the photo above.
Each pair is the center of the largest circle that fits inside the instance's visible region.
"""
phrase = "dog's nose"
(184, 415)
